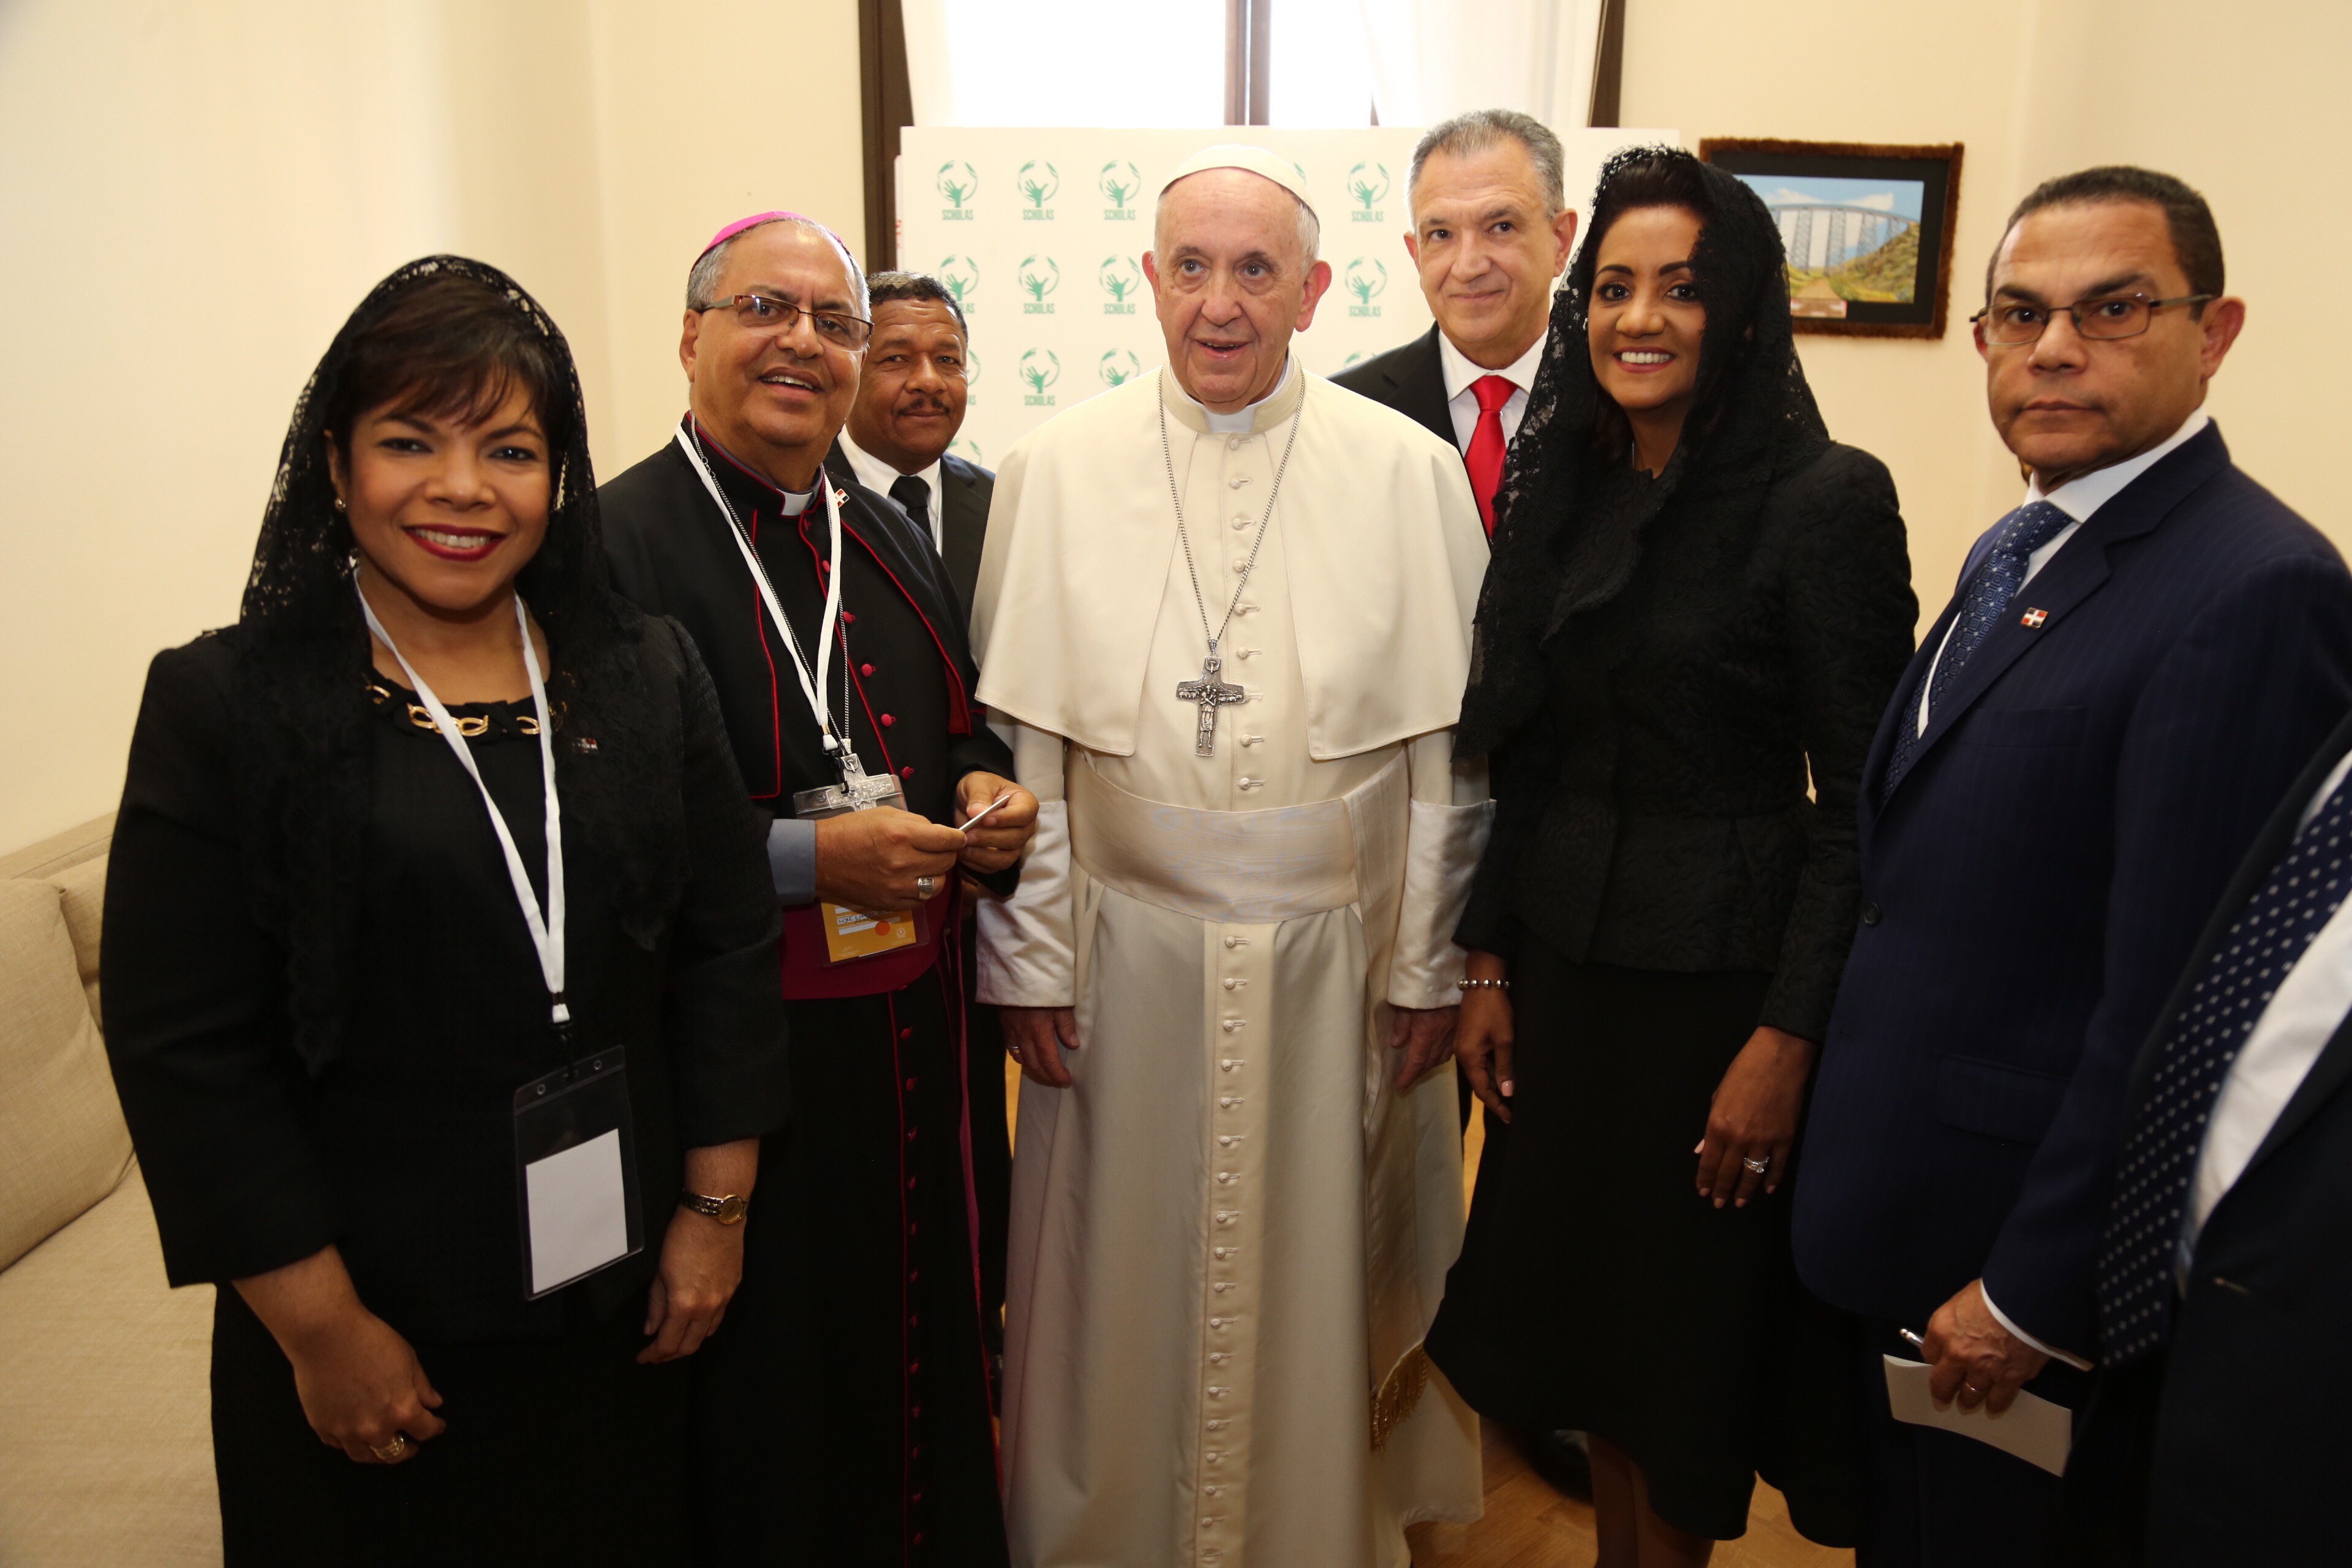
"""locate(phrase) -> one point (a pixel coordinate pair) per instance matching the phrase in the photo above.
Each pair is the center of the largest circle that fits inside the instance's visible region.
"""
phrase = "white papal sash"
(1229, 868)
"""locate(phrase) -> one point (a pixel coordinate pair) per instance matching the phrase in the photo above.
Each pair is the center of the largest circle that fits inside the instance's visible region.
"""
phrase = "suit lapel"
(1421, 389)
(2079, 570)
(963, 527)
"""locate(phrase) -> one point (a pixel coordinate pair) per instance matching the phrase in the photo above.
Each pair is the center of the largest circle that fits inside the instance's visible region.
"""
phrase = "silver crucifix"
(1212, 694)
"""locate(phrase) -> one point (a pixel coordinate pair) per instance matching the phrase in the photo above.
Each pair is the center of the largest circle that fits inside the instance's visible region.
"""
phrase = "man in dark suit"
(2136, 663)
(1491, 230)
(2214, 1430)
(910, 403)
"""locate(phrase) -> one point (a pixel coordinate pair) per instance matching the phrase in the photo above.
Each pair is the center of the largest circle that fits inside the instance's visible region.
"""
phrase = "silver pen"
(984, 810)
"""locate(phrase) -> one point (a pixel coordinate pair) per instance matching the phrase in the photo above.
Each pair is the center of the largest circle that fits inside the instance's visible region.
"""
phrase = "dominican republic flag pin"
(2032, 620)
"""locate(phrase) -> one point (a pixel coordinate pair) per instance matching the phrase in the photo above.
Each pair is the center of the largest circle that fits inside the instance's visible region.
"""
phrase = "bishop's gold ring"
(391, 1453)
(1758, 1167)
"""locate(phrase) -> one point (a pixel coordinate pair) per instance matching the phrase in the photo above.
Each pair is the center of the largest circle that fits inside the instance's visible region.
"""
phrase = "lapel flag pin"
(2032, 620)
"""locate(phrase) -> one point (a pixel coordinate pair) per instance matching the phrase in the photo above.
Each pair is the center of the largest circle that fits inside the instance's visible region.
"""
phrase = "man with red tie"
(1491, 231)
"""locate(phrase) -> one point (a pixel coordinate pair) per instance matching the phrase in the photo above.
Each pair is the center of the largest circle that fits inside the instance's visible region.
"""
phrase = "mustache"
(925, 403)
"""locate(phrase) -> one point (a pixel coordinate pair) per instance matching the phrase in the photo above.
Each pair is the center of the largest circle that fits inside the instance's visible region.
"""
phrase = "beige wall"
(2248, 108)
(198, 193)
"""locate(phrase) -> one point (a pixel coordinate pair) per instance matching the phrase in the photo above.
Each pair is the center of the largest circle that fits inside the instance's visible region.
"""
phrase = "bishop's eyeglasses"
(772, 317)
(2015, 323)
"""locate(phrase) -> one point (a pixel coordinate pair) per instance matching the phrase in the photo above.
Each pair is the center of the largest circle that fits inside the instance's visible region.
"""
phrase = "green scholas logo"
(962, 275)
(1368, 186)
(956, 181)
(1038, 277)
(1119, 183)
(1040, 368)
(1038, 182)
(1119, 278)
(966, 449)
(1118, 365)
(1367, 279)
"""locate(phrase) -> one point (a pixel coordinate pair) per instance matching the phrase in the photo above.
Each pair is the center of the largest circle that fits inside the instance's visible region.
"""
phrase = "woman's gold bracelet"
(1482, 986)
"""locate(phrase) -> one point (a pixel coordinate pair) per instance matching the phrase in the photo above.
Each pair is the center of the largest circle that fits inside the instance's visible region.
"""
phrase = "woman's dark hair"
(450, 347)
(446, 336)
(1556, 552)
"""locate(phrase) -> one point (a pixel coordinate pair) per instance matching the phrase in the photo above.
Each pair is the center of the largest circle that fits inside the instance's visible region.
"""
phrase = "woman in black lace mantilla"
(324, 997)
(1697, 605)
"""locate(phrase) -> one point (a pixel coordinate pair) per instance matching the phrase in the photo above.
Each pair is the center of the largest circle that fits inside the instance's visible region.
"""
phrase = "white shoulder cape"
(1381, 538)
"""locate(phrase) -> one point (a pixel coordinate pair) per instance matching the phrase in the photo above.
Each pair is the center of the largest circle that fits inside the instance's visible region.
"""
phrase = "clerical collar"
(1264, 415)
(791, 503)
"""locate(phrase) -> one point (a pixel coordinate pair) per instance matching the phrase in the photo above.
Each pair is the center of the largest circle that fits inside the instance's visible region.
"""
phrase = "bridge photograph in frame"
(1868, 229)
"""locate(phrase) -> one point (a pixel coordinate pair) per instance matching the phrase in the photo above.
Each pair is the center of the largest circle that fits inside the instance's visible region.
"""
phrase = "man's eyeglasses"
(766, 314)
(2014, 322)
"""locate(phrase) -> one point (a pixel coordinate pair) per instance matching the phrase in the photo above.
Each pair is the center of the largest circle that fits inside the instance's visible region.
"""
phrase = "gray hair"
(1484, 128)
(1310, 227)
(885, 286)
(702, 280)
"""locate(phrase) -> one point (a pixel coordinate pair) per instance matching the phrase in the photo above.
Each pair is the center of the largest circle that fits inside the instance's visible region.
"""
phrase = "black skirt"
(1598, 1292)
(560, 1450)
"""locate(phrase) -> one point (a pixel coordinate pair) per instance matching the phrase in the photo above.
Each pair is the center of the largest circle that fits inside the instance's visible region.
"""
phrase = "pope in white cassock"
(1223, 619)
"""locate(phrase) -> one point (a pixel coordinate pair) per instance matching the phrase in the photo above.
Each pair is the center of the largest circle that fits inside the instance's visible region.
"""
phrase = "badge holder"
(576, 1172)
(850, 934)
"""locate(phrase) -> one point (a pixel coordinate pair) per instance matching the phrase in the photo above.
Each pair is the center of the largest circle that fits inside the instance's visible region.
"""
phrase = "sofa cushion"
(81, 890)
(63, 1145)
(106, 1452)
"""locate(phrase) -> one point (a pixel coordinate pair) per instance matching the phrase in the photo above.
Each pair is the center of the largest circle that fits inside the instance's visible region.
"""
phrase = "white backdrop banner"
(1042, 234)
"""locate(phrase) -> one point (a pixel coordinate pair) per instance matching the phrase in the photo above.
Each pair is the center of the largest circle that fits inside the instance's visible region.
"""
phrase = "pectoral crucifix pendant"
(1211, 694)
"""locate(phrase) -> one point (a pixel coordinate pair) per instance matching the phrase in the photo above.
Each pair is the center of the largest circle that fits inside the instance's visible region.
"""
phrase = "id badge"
(850, 934)
(576, 1172)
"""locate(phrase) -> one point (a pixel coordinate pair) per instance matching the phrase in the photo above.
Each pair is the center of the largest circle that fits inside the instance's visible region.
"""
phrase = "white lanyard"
(546, 933)
(811, 688)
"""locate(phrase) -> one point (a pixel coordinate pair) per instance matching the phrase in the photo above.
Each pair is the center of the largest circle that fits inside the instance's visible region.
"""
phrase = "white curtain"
(1066, 62)
(1432, 58)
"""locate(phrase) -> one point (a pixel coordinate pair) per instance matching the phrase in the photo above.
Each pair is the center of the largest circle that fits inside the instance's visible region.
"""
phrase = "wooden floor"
(1530, 1525)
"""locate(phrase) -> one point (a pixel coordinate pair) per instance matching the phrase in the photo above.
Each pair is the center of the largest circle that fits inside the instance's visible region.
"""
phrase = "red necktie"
(1485, 458)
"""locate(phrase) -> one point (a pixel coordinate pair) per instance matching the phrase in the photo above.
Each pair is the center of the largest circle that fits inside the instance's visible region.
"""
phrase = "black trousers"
(559, 1451)
(1936, 1500)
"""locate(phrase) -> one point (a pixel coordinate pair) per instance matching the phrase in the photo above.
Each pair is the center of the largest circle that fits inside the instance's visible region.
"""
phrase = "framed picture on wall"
(1868, 229)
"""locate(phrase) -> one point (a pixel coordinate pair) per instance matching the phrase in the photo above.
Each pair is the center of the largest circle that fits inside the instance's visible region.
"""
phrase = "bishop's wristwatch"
(726, 1210)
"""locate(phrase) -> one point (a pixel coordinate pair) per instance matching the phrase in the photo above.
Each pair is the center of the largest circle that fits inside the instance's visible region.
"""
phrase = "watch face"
(730, 1209)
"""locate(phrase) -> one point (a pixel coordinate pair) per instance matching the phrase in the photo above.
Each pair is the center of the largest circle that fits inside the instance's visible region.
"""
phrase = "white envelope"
(2033, 1429)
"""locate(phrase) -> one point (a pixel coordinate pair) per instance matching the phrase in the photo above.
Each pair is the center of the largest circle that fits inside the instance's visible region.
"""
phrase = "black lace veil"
(304, 668)
(1754, 418)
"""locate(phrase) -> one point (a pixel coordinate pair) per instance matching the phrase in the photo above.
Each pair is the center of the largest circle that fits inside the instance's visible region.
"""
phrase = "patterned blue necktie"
(2160, 1156)
(1989, 590)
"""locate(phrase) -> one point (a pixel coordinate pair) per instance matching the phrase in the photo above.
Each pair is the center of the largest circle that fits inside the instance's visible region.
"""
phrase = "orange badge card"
(854, 933)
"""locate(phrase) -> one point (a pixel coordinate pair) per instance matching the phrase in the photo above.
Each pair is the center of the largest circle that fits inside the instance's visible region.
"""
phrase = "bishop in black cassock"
(843, 1407)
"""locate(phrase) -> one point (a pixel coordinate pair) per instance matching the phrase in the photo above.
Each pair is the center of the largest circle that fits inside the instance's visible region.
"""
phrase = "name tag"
(857, 933)
(575, 1173)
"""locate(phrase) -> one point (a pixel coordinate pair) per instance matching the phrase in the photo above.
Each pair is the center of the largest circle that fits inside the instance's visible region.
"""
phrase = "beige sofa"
(106, 1455)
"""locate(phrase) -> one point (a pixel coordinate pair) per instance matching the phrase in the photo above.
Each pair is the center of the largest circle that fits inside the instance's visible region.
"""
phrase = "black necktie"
(1989, 590)
(2161, 1152)
(910, 491)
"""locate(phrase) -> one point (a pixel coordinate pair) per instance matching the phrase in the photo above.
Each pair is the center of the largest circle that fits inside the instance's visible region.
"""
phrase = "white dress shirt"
(879, 476)
(1461, 375)
(2078, 499)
